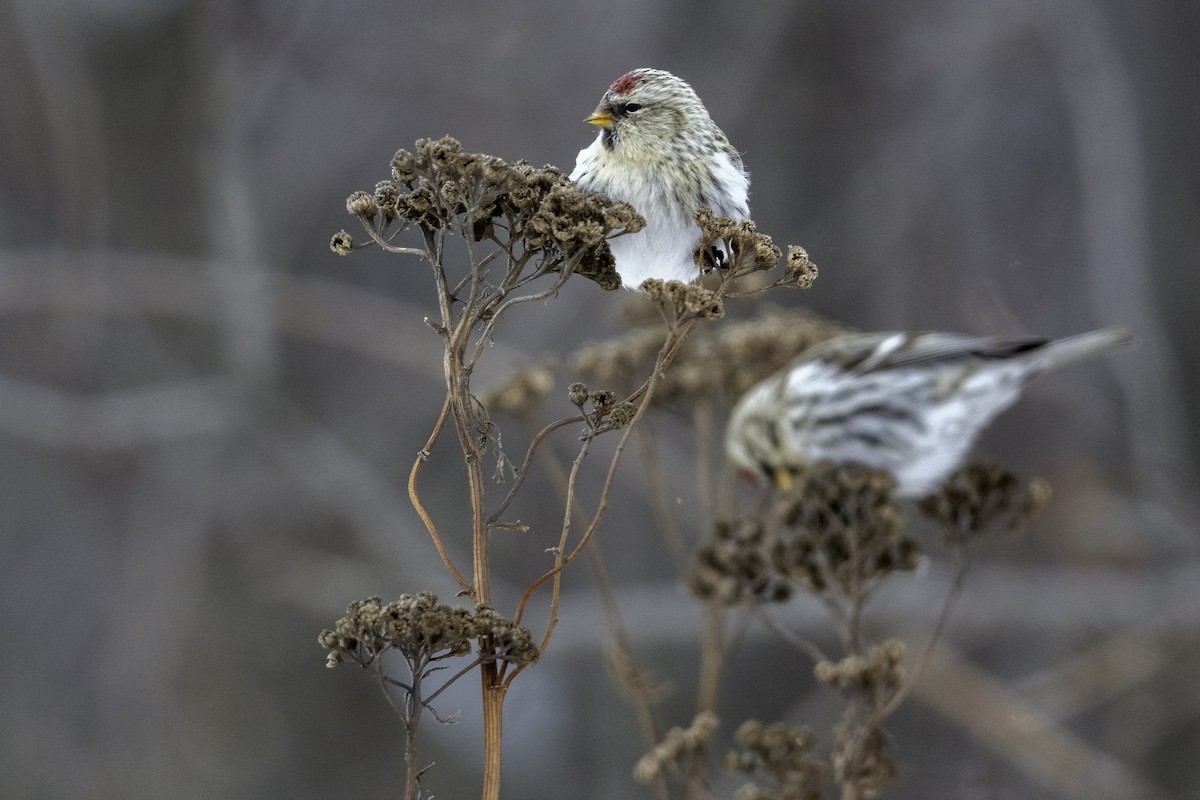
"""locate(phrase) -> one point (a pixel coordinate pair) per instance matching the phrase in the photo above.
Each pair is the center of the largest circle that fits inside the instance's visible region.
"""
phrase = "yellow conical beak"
(783, 479)
(601, 117)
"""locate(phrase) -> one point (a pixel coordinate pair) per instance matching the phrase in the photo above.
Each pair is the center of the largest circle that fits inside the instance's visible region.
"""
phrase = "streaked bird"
(660, 151)
(907, 403)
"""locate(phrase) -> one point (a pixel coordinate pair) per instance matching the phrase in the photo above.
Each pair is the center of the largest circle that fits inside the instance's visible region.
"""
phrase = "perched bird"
(660, 151)
(907, 403)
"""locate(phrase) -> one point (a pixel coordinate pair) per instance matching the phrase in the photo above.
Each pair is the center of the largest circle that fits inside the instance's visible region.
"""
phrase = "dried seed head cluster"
(683, 301)
(422, 630)
(846, 531)
(751, 251)
(502, 639)
(341, 243)
(878, 674)
(719, 361)
(782, 753)
(679, 748)
(860, 758)
(606, 412)
(734, 567)
(530, 211)
(983, 496)
(801, 271)
(522, 391)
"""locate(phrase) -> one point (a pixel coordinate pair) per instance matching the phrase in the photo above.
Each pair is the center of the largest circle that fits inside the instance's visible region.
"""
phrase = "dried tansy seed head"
(544, 221)
(681, 301)
(844, 530)
(983, 496)
(781, 755)
(621, 362)
(521, 394)
(878, 671)
(415, 625)
(361, 204)
(578, 393)
(503, 639)
(341, 243)
(801, 271)
(734, 566)
(387, 196)
(868, 767)
(422, 629)
(678, 749)
(404, 168)
(603, 400)
(750, 251)
(623, 413)
(720, 361)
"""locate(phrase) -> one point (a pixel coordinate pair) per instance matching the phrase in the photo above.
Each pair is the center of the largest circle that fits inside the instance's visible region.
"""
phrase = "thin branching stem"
(383, 244)
(789, 636)
(523, 470)
(415, 498)
(669, 347)
(660, 504)
(961, 564)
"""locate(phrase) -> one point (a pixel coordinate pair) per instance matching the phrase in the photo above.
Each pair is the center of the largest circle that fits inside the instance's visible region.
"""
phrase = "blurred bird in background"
(907, 403)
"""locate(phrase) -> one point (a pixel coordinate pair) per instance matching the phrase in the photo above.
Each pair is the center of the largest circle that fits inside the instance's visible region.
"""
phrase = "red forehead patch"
(625, 83)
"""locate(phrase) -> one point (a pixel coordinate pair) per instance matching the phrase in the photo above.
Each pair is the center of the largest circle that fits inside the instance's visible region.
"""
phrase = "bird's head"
(752, 442)
(648, 112)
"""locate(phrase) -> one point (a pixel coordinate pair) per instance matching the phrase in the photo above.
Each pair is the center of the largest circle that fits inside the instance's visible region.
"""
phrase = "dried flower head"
(878, 674)
(417, 626)
(678, 749)
(751, 251)
(534, 214)
(683, 301)
(578, 394)
(341, 243)
(423, 630)
(734, 567)
(860, 758)
(782, 755)
(523, 390)
(801, 271)
(502, 639)
(361, 204)
(846, 531)
(983, 496)
(721, 361)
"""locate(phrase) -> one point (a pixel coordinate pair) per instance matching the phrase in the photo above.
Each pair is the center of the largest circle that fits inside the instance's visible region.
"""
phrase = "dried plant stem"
(702, 435)
(669, 349)
(799, 642)
(629, 676)
(523, 470)
(622, 657)
(494, 690)
(415, 498)
(953, 593)
(715, 650)
(569, 509)
(660, 504)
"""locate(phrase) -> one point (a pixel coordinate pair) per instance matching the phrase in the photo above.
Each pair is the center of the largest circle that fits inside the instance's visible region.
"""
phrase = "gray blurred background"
(207, 418)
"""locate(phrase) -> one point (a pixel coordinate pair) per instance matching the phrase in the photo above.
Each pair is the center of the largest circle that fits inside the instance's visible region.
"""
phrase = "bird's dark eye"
(631, 107)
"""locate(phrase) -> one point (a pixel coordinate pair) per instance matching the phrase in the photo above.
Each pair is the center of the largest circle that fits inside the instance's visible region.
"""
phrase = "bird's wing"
(871, 352)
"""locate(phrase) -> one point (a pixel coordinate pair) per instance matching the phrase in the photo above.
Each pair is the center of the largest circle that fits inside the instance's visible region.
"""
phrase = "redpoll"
(909, 404)
(659, 151)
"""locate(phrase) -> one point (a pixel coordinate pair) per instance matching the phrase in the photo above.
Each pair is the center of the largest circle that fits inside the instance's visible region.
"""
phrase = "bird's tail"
(1070, 348)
